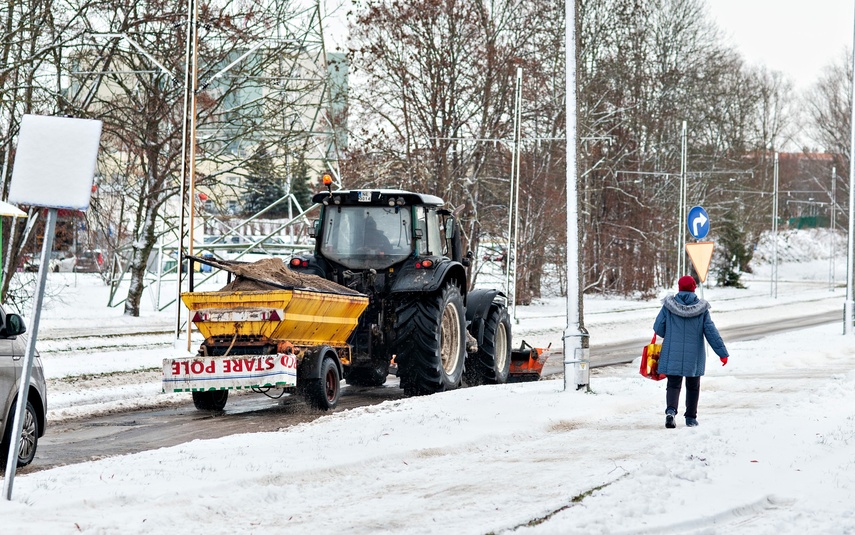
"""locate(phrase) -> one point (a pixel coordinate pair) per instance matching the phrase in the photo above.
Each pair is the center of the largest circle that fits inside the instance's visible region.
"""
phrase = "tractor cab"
(377, 229)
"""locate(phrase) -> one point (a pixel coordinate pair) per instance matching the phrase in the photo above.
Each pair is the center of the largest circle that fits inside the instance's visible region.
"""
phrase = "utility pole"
(513, 203)
(849, 304)
(576, 341)
(774, 272)
(681, 218)
(833, 213)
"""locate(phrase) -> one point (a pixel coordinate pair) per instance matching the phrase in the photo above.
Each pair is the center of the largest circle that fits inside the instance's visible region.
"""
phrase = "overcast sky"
(793, 36)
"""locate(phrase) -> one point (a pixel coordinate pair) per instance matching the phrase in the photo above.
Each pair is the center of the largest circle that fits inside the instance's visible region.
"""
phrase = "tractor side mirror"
(313, 230)
(467, 261)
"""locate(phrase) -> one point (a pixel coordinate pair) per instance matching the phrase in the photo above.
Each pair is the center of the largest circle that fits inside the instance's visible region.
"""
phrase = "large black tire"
(492, 362)
(29, 437)
(323, 392)
(431, 341)
(372, 376)
(210, 400)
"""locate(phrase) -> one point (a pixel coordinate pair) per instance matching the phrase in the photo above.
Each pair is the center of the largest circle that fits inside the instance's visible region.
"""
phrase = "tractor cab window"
(432, 241)
(366, 237)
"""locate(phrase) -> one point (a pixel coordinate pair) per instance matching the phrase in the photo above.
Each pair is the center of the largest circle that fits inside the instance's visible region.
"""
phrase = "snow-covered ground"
(775, 451)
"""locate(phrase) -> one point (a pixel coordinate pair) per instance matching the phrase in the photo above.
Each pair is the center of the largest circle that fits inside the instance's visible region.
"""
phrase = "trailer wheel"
(492, 362)
(210, 400)
(431, 343)
(323, 392)
(371, 376)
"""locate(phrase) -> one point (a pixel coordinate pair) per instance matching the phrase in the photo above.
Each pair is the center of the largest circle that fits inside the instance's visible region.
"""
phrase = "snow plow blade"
(526, 364)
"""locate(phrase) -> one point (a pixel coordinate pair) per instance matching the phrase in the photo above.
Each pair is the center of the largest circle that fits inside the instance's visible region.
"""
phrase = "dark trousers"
(693, 392)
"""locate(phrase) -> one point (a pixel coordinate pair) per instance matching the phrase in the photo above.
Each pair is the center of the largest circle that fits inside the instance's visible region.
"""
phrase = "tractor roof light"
(327, 180)
(337, 199)
(400, 201)
(326, 201)
(391, 201)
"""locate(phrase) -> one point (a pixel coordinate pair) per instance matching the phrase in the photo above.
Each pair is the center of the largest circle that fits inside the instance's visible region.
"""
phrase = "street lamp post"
(576, 352)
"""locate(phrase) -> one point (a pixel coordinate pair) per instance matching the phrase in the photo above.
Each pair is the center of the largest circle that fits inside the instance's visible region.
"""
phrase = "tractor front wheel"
(491, 363)
(370, 376)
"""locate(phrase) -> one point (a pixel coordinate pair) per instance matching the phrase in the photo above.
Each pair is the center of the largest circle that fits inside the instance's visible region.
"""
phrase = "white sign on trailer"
(230, 372)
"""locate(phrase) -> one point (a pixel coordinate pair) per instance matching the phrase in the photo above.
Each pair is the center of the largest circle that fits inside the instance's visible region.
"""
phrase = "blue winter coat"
(683, 322)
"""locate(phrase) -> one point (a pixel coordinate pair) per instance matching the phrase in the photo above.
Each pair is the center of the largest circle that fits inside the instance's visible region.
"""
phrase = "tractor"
(403, 250)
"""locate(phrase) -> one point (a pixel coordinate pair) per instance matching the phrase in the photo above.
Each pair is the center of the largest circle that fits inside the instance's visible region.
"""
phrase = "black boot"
(691, 422)
(669, 420)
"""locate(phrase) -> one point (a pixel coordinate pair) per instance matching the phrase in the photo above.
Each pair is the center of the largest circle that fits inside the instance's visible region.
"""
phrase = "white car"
(12, 350)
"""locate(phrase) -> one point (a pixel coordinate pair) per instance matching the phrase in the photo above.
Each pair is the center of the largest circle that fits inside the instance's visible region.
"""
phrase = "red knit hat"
(686, 284)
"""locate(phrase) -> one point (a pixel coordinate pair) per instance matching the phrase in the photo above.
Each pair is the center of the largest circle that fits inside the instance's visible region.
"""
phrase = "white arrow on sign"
(699, 221)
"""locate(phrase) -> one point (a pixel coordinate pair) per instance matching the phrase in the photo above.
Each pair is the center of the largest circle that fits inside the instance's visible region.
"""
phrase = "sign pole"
(54, 168)
(29, 356)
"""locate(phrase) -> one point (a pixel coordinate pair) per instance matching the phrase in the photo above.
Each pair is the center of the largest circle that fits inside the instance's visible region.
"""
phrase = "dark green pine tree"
(263, 186)
(735, 252)
(300, 183)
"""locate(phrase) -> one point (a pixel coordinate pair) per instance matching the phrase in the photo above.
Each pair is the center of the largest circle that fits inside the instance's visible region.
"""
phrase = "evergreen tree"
(301, 184)
(735, 252)
(263, 186)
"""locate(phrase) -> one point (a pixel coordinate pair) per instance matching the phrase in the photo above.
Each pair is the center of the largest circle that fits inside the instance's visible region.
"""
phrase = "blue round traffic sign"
(699, 222)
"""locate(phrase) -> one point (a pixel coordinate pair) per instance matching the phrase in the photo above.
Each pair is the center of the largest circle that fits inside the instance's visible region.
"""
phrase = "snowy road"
(175, 421)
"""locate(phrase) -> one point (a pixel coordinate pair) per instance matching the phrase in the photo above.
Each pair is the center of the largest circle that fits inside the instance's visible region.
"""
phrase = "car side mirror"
(14, 326)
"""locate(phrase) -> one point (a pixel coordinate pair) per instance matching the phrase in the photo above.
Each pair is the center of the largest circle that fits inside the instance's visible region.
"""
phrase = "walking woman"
(683, 323)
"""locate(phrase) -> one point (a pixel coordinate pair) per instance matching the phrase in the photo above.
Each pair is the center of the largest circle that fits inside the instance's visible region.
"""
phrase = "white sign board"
(55, 162)
(231, 372)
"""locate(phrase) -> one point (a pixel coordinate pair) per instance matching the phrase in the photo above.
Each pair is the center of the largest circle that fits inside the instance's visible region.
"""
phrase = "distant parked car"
(89, 262)
(59, 261)
(12, 348)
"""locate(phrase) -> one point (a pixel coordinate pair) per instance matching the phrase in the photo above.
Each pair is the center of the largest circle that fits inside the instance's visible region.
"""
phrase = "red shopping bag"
(650, 360)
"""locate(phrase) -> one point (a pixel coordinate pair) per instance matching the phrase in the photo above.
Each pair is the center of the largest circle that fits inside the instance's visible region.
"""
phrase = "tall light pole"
(849, 305)
(576, 352)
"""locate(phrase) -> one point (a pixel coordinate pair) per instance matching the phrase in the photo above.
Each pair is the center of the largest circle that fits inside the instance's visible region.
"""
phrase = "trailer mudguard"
(310, 364)
(411, 279)
(477, 307)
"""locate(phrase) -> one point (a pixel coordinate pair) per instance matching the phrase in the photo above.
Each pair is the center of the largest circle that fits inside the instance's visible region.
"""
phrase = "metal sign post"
(29, 356)
(54, 168)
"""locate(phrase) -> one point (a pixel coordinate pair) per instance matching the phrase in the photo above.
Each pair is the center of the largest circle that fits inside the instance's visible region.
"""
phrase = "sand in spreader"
(250, 277)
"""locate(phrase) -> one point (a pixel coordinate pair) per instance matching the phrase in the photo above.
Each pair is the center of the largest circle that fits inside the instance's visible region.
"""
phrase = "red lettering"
(197, 367)
(227, 366)
(268, 362)
(249, 364)
(237, 366)
(288, 360)
(211, 368)
(186, 368)
(176, 368)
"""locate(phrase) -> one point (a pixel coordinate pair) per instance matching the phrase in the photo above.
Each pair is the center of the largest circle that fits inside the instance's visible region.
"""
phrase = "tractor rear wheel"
(210, 400)
(492, 362)
(431, 341)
